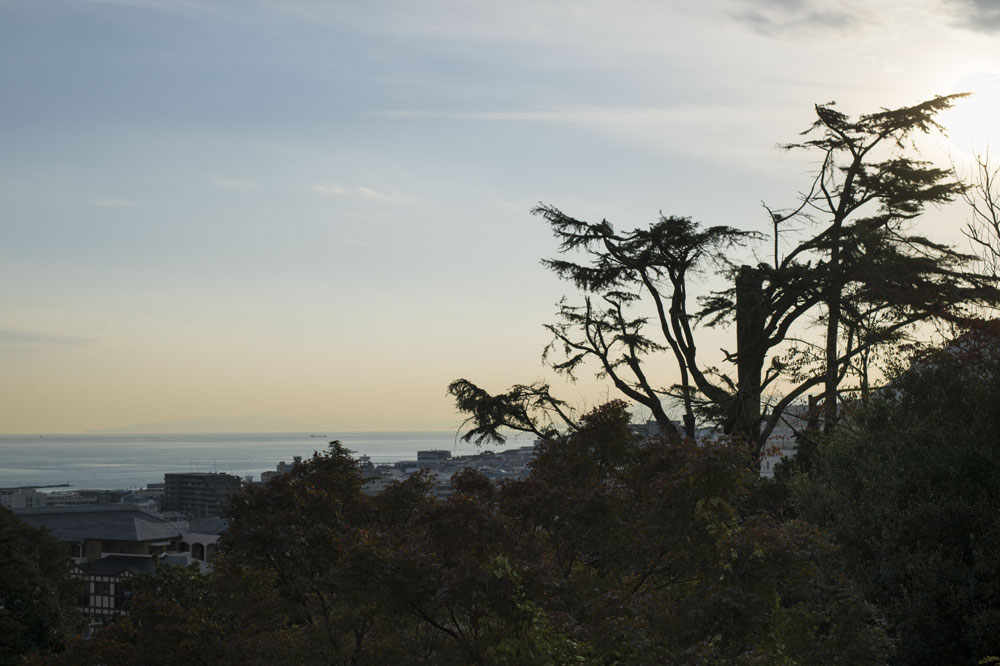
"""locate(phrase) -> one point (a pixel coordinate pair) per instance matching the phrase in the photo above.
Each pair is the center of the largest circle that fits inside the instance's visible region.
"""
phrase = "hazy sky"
(305, 215)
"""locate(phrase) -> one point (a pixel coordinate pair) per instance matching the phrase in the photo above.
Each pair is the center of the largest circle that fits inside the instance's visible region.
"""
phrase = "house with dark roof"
(105, 581)
(109, 544)
(91, 532)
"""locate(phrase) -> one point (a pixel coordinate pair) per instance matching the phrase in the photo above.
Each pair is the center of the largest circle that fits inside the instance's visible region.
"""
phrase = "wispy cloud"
(391, 197)
(172, 5)
(978, 15)
(576, 114)
(112, 202)
(12, 336)
(708, 131)
(336, 190)
(233, 183)
(367, 193)
(781, 17)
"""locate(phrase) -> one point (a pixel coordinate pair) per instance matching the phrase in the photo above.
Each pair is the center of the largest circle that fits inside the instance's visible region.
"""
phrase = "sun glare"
(973, 124)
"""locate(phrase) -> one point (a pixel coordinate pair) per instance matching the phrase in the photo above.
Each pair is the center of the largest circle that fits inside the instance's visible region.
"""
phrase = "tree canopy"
(37, 594)
(613, 550)
(909, 489)
(848, 275)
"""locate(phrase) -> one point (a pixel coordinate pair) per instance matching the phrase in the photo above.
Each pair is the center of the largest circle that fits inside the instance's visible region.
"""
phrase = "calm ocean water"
(129, 460)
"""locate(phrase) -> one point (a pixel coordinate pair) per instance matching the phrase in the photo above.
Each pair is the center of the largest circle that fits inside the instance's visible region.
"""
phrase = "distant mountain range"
(244, 423)
(258, 423)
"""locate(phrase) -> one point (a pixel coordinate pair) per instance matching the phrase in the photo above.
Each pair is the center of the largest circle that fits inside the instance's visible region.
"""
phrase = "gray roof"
(208, 526)
(112, 522)
(115, 564)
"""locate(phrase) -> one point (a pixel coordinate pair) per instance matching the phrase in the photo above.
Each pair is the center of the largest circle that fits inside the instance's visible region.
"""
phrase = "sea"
(130, 461)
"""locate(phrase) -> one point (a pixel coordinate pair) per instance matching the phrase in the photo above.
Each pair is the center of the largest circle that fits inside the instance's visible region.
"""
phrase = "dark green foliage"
(614, 550)
(910, 492)
(38, 596)
(323, 542)
(177, 615)
(652, 553)
(526, 408)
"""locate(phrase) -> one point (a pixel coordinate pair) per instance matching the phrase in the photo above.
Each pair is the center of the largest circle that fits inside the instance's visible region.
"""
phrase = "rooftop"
(111, 522)
(116, 564)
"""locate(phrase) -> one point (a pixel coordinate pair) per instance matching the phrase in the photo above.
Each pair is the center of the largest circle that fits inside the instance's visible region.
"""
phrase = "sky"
(305, 215)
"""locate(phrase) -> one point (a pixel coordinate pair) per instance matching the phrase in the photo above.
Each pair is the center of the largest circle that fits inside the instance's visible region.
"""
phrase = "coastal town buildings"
(282, 468)
(22, 498)
(441, 465)
(199, 494)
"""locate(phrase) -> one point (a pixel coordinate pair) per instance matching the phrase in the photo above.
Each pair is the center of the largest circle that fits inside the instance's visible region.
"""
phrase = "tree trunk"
(750, 350)
(834, 296)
